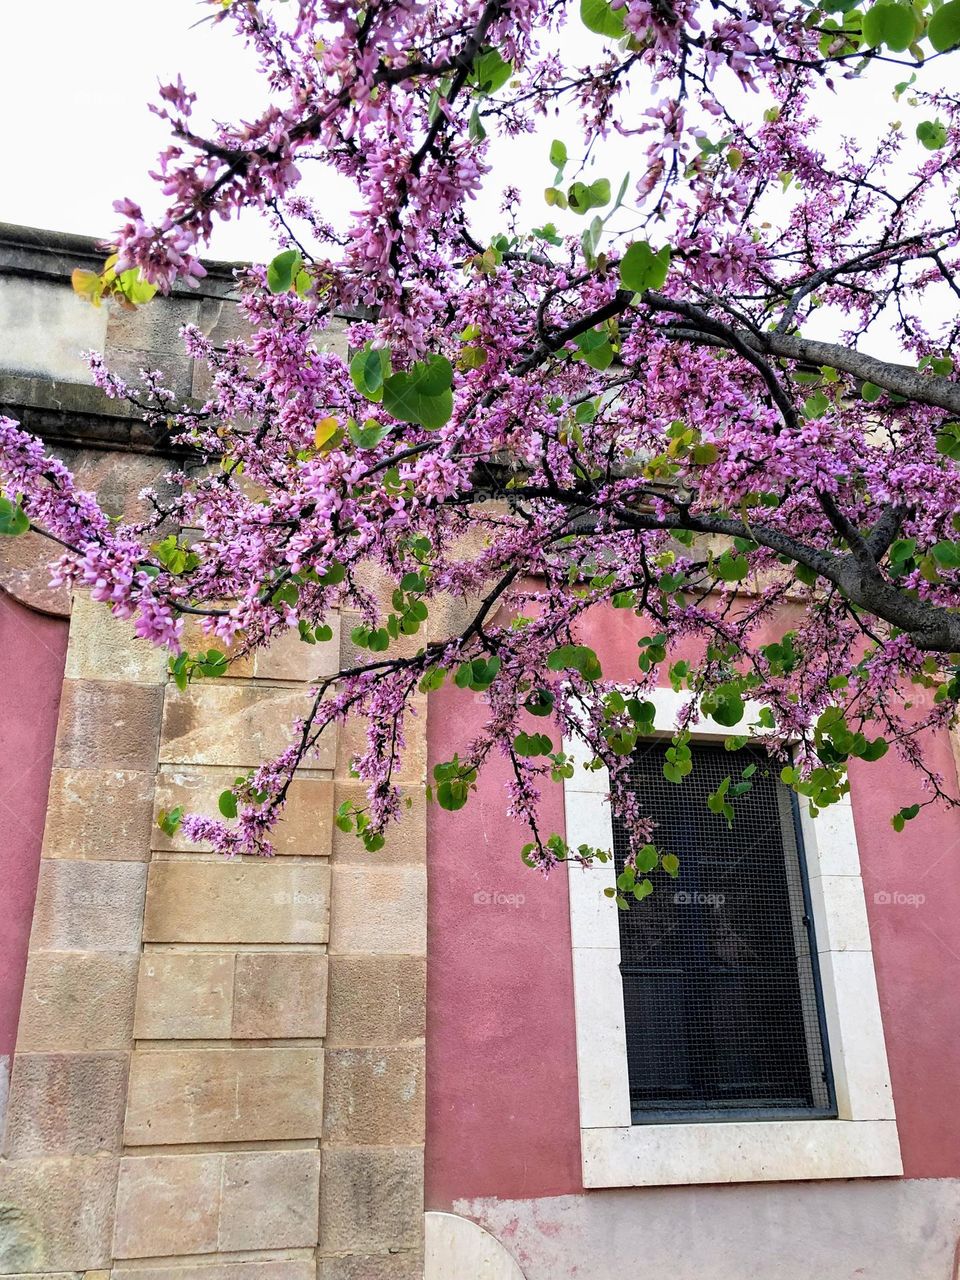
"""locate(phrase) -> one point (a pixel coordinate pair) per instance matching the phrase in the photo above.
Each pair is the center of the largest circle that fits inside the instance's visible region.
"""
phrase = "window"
(720, 978)
(702, 1049)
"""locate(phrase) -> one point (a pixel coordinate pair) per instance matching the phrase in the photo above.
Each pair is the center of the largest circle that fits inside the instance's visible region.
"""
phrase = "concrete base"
(858, 1230)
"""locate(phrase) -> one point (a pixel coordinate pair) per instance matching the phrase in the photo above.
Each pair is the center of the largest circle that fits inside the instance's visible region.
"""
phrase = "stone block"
(223, 1095)
(376, 1000)
(411, 769)
(227, 724)
(65, 1104)
(304, 828)
(99, 813)
(270, 1200)
(88, 906)
(222, 321)
(103, 647)
(184, 995)
(253, 901)
(167, 1205)
(108, 725)
(407, 1265)
(371, 1199)
(352, 655)
(406, 839)
(56, 1214)
(152, 329)
(373, 1096)
(77, 1000)
(240, 1269)
(290, 658)
(379, 910)
(279, 994)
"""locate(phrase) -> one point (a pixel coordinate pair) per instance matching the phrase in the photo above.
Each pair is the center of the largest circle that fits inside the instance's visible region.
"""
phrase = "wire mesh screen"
(720, 989)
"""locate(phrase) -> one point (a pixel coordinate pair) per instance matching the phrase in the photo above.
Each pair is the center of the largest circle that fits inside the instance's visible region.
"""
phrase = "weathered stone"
(407, 1265)
(234, 725)
(224, 1095)
(412, 769)
(376, 1000)
(56, 1214)
(373, 1096)
(184, 995)
(290, 658)
(88, 906)
(303, 830)
(77, 1000)
(253, 901)
(379, 910)
(279, 994)
(99, 813)
(406, 839)
(167, 1205)
(65, 1104)
(270, 1200)
(222, 321)
(371, 1199)
(353, 655)
(103, 647)
(239, 1269)
(152, 329)
(107, 725)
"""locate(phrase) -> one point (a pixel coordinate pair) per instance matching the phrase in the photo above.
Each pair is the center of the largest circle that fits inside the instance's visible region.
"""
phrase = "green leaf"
(452, 794)
(227, 804)
(671, 865)
(540, 702)
(558, 153)
(641, 268)
(870, 392)
(169, 819)
(368, 369)
(489, 72)
(594, 348)
(944, 29)
(600, 17)
(815, 406)
(932, 133)
(643, 890)
(575, 657)
(423, 395)
(583, 197)
(283, 270)
(889, 24)
(13, 519)
(947, 554)
(370, 434)
(948, 441)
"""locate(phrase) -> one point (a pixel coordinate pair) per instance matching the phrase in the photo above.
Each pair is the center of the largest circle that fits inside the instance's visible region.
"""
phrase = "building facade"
(240, 1069)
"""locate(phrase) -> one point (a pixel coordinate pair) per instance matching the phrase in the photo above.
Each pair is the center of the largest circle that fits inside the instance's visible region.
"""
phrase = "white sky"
(77, 134)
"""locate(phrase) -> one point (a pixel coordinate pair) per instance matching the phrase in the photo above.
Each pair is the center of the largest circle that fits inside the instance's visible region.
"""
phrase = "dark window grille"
(724, 1016)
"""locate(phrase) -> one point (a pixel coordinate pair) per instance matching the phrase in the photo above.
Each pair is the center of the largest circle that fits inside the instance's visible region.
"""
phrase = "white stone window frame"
(862, 1142)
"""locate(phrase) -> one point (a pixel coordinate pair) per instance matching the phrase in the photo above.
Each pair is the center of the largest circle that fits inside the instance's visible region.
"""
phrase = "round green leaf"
(932, 133)
(641, 268)
(889, 24)
(13, 519)
(944, 28)
(601, 17)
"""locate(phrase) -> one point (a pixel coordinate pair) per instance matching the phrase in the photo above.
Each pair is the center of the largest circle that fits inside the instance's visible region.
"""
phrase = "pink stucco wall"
(502, 1114)
(32, 652)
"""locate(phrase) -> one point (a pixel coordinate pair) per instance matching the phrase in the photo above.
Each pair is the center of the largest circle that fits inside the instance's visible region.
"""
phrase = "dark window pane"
(719, 982)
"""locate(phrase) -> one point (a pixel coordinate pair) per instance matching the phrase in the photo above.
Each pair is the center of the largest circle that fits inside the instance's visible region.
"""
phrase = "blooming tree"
(672, 406)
